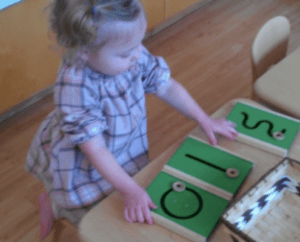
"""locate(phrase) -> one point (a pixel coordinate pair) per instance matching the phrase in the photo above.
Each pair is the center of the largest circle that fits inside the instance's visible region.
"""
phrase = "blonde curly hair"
(77, 23)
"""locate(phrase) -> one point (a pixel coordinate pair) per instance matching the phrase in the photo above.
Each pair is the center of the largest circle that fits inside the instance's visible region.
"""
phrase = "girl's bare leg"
(46, 215)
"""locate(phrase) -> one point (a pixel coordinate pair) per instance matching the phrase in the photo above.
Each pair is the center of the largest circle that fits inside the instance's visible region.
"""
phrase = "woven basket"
(270, 210)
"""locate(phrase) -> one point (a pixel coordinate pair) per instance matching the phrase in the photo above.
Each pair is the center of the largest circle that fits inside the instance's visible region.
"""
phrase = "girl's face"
(122, 52)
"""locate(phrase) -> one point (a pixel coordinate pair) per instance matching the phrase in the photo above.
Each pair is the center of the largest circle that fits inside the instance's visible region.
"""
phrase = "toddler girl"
(96, 138)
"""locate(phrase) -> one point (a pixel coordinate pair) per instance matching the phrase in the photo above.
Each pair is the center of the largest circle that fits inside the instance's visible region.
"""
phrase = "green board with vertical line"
(202, 172)
(263, 129)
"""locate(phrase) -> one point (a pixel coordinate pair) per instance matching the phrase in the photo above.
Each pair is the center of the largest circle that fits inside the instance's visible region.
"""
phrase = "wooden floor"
(208, 52)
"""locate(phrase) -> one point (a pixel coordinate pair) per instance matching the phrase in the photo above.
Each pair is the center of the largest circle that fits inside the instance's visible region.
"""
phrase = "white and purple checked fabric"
(88, 103)
(284, 183)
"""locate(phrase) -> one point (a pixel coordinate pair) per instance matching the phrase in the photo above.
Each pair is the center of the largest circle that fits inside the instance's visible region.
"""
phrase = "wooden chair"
(269, 46)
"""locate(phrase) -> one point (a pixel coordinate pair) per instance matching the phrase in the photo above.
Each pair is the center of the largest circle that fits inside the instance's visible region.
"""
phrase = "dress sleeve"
(76, 98)
(156, 71)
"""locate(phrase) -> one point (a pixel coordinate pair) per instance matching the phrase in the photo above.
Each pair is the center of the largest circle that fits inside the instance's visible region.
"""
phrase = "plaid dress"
(88, 104)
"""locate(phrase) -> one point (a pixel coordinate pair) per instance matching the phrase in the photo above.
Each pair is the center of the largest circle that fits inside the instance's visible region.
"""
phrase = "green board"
(199, 213)
(261, 125)
(195, 208)
(213, 165)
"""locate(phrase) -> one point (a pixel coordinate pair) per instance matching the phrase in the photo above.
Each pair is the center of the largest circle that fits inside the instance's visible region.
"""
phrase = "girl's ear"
(82, 56)
(84, 53)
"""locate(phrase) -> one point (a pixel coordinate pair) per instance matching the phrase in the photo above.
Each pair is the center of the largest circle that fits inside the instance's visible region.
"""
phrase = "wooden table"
(105, 221)
(279, 87)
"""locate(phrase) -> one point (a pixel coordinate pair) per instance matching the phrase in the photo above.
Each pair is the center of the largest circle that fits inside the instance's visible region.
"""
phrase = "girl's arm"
(136, 199)
(178, 97)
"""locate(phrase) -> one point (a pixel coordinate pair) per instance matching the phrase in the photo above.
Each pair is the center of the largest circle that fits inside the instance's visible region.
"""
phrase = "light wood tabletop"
(105, 221)
(279, 86)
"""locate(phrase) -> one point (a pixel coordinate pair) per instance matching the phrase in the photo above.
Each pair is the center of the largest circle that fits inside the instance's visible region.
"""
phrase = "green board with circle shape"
(193, 208)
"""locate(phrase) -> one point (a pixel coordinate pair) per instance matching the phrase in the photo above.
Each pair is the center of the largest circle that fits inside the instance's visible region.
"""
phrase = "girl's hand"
(137, 204)
(219, 126)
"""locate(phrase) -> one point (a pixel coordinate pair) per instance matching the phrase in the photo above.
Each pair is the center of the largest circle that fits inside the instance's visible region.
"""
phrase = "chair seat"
(280, 85)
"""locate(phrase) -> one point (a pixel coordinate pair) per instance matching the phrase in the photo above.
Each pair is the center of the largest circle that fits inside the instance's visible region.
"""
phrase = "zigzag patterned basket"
(270, 210)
